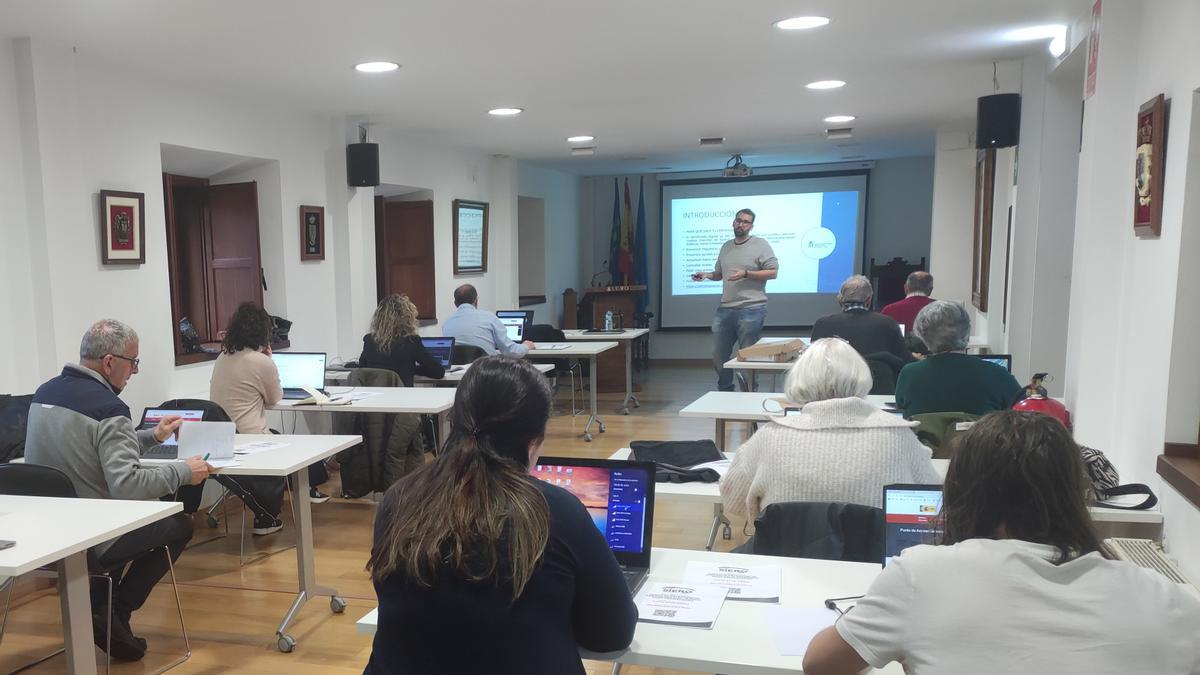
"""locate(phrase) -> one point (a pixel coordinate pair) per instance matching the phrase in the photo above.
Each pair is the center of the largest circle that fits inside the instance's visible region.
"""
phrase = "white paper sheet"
(260, 446)
(694, 606)
(550, 346)
(223, 463)
(214, 439)
(721, 466)
(792, 628)
(758, 583)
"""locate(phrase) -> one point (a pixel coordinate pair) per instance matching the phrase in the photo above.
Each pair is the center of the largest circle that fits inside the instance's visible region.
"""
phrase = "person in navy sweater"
(478, 566)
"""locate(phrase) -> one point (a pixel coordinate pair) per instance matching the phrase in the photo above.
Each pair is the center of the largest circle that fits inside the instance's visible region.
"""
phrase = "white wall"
(563, 235)
(1128, 303)
(531, 248)
(951, 235)
(899, 210)
(71, 125)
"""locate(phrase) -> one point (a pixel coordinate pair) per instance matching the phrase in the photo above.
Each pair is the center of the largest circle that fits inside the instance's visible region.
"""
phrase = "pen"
(206, 456)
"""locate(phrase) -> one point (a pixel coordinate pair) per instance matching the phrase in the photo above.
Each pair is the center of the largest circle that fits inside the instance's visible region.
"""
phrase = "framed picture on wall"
(122, 228)
(981, 248)
(470, 236)
(1148, 167)
(312, 232)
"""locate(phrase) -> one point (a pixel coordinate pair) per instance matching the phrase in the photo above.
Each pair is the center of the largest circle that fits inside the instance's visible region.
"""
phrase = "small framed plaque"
(1148, 167)
(312, 232)
(122, 228)
(470, 237)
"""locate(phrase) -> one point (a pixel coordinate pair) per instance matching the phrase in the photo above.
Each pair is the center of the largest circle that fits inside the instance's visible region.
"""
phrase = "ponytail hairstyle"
(455, 513)
(1021, 471)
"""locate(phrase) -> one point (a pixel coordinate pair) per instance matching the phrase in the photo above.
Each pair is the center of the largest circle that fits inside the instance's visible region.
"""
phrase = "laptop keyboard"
(162, 452)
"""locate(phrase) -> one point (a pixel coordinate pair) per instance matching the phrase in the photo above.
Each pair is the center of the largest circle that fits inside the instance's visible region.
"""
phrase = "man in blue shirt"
(470, 326)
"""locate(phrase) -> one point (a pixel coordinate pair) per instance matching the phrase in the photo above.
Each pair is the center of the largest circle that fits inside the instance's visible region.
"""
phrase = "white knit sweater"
(840, 450)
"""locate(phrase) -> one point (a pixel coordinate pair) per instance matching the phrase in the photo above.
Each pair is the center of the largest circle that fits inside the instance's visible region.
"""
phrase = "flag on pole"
(625, 265)
(640, 273)
(614, 240)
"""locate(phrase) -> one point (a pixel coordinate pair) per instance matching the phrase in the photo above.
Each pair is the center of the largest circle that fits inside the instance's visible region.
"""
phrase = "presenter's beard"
(740, 232)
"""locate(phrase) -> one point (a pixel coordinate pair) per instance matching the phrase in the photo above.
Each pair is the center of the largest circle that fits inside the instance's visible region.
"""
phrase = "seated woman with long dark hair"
(481, 568)
(1021, 584)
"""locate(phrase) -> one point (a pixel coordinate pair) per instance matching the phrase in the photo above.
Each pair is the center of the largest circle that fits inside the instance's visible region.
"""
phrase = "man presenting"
(78, 425)
(471, 326)
(744, 265)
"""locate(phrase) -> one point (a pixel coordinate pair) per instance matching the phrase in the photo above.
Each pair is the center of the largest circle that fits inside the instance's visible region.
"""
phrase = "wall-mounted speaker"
(362, 164)
(998, 121)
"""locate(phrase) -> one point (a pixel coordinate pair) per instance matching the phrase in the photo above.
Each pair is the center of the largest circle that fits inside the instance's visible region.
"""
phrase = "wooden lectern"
(588, 312)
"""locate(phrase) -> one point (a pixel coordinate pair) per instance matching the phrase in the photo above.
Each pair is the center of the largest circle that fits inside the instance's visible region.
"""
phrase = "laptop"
(168, 449)
(516, 322)
(1002, 360)
(911, 516)
(619, 495)
(300, 369)
(439, 348)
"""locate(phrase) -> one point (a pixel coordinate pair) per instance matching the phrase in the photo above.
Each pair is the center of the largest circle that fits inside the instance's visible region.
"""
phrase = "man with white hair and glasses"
(868, 332)
(78, 425)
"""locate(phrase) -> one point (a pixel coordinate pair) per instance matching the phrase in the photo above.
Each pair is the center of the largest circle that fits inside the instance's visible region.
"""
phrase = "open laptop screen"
(515, 322)
(300, 369)
(1002, 360)
(911, 516)
(618, 495)
(152, 416)
(439, 348)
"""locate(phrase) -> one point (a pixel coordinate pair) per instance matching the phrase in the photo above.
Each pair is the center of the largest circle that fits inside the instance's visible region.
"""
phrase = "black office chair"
(885, 370)
(32, 480)
(819, 530)
(544, 332)
(461, 355)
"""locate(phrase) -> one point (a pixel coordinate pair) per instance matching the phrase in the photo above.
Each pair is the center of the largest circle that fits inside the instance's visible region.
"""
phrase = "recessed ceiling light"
(802, 22)
(377, 67)
(505, 112)
(580, 139)
(840, 119)
(825, 84)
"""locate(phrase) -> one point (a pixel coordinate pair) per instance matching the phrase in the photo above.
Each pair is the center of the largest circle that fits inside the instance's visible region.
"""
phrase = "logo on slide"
(818, 243)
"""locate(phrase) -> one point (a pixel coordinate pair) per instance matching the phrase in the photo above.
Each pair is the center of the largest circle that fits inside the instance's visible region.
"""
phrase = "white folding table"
(422, 401)
(740, 642)
(756, 367)
(453, 375)
(57, 530)
(588, 350)
(292, 460)
(747, 406)
(625, 336)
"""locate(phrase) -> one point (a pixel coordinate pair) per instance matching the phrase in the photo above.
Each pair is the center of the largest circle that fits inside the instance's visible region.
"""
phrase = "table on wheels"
(625, 336)
(588, 350)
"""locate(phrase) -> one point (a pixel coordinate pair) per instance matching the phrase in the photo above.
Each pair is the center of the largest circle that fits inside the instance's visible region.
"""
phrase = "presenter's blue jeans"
(740, 327)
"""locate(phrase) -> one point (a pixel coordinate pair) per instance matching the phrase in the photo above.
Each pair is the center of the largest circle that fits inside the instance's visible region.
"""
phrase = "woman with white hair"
(949, 379)
(840, 448)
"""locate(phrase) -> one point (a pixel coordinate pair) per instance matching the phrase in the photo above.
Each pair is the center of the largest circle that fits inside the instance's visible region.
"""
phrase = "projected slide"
(813, 233)
(814, 222)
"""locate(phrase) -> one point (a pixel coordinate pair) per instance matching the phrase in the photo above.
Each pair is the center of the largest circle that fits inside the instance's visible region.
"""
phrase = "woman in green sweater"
(948, 379)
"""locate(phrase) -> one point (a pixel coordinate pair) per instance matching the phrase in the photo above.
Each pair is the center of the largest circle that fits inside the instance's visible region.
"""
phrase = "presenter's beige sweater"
(839, 450)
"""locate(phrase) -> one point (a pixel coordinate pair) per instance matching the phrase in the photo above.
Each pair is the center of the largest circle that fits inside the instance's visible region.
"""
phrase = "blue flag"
(640, 273)
(614, 241)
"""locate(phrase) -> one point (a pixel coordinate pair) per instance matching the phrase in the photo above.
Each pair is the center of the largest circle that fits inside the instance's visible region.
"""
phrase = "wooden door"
(404, 253)
(186, 233)
(235, 267)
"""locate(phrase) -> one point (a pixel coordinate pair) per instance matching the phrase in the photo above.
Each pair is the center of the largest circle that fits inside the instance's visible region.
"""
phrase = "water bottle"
(608, 320)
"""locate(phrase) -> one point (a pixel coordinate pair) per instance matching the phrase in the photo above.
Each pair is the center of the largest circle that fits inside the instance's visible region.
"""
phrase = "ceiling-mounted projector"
(736, 168)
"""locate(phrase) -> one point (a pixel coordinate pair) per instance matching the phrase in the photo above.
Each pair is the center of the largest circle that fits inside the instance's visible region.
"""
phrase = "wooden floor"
(232, 611)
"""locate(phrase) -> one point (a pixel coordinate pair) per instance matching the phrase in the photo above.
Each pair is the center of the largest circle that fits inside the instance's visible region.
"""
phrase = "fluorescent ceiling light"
(825, 84)
(580, 139)
(802, 22)
(377, 67)
(505, 112)
(840, 119)
(1055, 32)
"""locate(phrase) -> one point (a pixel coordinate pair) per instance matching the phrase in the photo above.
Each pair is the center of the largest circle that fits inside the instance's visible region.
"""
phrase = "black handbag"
(674, 460)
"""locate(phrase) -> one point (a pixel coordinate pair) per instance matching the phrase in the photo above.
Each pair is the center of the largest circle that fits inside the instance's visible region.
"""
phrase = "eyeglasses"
(134, 361)
(743, 221)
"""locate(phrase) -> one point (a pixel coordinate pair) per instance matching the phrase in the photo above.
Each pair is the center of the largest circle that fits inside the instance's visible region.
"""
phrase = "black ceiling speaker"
(998, 121)
(362, 164)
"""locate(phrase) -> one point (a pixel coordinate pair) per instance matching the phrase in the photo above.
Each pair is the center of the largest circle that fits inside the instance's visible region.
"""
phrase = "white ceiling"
(646, 77)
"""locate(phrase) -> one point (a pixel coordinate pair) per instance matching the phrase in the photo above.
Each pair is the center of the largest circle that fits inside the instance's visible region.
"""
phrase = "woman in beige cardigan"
(840, 448)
